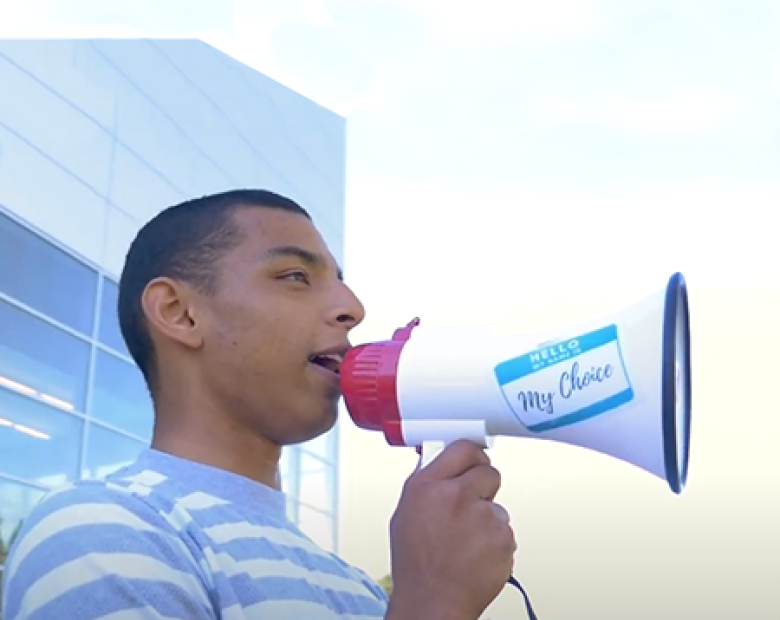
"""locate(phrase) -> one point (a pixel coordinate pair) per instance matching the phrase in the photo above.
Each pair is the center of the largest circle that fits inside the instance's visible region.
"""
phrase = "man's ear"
(170, 309)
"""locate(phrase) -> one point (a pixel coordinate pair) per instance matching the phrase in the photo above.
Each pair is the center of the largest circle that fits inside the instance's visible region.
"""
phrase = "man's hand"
(452, 546)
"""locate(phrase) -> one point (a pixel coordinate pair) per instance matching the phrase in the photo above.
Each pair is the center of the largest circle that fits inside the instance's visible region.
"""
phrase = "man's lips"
(331, 363)
(330, 359)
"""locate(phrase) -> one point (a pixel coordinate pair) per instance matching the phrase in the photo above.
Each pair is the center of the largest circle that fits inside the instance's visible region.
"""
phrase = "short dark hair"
(185, 242)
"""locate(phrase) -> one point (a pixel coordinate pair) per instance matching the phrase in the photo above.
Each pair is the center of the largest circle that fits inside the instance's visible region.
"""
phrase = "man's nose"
(350, 312)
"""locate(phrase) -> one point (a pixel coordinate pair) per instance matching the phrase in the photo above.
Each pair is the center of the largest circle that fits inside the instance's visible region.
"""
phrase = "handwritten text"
(570, 381)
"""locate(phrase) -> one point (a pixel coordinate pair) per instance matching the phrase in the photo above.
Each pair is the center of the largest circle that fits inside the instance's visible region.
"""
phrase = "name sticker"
(566, 382)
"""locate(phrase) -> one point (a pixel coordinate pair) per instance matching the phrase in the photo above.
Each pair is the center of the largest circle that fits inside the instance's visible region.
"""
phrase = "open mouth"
(330, 362)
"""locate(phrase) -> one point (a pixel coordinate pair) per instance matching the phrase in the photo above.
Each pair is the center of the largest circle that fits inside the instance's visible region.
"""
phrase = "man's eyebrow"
(310, 258)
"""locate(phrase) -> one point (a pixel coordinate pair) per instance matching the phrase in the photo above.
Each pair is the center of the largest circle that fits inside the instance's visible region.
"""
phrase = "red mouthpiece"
(368, 383)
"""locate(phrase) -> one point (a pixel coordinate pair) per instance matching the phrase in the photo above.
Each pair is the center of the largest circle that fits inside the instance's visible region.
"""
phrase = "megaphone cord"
(528, 607)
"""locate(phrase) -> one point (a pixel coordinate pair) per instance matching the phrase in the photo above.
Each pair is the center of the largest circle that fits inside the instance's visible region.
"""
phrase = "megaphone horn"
(619, 385)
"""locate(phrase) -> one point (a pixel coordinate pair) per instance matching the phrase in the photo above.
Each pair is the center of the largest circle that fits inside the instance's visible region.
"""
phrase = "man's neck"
(216, 442)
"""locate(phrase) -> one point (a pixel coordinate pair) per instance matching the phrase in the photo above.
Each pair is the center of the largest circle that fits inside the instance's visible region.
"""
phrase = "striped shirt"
(167, 538)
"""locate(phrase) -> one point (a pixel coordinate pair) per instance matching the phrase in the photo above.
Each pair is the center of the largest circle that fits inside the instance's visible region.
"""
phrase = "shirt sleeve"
(100, 554)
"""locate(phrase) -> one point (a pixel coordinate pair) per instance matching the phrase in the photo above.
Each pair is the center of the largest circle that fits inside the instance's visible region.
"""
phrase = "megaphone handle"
(428, 451)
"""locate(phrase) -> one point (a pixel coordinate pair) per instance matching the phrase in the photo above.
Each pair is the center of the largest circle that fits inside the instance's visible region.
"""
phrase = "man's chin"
(330, 420)
(317, 428)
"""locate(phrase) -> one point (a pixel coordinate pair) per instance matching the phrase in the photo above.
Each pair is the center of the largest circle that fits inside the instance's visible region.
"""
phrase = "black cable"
(528, 608)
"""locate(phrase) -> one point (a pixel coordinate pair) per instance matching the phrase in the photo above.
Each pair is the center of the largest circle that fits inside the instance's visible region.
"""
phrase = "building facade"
(95, 138)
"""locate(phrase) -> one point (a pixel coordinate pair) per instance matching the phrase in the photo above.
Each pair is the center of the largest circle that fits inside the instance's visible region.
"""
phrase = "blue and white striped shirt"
(167, 538)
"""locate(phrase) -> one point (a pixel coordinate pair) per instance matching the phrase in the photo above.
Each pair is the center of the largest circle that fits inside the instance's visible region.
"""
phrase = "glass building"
(95, 138)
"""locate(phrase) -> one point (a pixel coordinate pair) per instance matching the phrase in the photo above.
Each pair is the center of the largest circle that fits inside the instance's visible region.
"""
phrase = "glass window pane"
(316, 525)
(37, 443)
(108, 451)
(316, 488)
(41, 360)
(108, 332)
(120, 397)
(16, 502)
(46, 278)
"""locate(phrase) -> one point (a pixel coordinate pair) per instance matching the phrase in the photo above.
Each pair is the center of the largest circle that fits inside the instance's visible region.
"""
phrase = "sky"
(532, 164)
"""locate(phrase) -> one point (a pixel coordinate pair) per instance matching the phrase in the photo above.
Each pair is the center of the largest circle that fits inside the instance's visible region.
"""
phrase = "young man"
(237, 316)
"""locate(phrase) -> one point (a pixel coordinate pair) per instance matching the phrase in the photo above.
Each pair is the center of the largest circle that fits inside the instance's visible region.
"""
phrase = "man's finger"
(502, 514)
(482, 482)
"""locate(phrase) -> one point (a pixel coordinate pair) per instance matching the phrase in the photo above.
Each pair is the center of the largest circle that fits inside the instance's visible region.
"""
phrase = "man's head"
(234, 296)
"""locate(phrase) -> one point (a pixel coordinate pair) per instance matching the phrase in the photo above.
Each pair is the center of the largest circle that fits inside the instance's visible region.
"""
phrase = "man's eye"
(297, 276)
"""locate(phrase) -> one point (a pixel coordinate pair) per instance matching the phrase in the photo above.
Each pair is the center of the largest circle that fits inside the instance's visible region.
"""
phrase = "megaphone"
(619, 385)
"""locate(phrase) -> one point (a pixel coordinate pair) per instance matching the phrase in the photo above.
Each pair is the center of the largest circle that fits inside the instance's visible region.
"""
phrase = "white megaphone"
(619, 385)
